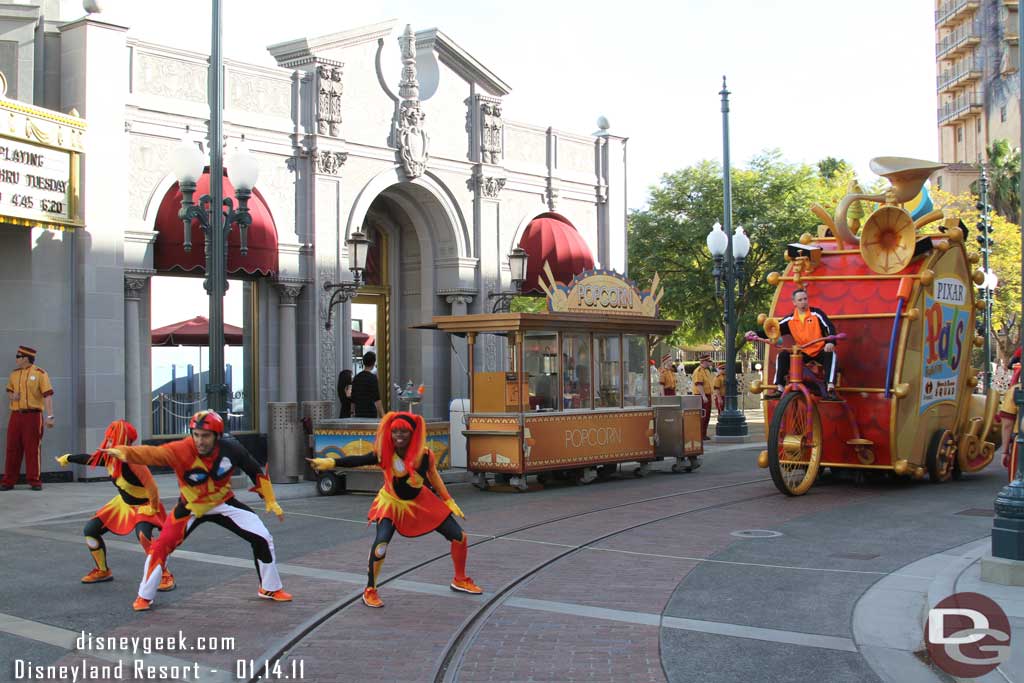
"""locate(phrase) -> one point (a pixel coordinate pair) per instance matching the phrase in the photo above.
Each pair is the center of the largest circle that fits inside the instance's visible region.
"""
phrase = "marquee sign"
(603, 292)
(40, 153)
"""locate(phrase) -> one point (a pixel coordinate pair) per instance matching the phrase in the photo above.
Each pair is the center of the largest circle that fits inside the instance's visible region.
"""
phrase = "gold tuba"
(887, 239)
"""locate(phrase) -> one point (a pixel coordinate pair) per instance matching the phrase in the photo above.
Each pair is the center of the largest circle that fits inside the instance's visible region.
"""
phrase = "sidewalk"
(888, 621)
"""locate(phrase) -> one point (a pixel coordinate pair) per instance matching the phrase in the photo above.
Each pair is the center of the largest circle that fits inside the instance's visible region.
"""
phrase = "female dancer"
(136, 507)
(404, 504)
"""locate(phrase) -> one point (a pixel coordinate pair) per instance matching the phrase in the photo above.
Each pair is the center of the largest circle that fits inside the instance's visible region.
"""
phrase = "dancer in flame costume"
(135, 509)
(404, 503)
(204, 463)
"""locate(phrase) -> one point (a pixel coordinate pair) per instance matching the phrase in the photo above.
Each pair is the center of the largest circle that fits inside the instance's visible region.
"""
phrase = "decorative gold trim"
(858, 466)
(45, 114)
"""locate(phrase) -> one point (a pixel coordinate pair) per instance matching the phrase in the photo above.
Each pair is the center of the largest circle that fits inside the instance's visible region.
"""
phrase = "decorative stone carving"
(146, 167)
(491, 127)
(488, 186)
(329, 90)
(328, 162)
(259, 95)
(134, 286)
(169, 77)
(288, 292)
(327, 351)
(551, 195)
(411, 139)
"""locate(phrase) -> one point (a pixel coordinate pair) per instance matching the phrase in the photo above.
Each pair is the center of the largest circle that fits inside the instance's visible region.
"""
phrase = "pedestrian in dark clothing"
(366, 391)
(345, 392)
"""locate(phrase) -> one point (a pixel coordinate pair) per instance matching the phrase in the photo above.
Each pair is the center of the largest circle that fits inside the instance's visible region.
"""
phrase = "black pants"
(826, 358)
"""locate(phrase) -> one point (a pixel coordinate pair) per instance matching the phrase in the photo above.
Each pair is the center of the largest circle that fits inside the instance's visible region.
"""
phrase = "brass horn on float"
(887, 239)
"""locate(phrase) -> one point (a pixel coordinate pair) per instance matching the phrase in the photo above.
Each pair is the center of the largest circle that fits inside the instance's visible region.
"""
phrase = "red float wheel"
(794, 444)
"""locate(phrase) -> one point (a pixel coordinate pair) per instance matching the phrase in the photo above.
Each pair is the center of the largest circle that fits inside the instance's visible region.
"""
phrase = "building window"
(938, 182)
(959, 133)
(979, 125)
(1002, 114)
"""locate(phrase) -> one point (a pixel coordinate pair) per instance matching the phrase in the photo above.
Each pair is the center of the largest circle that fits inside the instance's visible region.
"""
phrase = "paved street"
(636, 580)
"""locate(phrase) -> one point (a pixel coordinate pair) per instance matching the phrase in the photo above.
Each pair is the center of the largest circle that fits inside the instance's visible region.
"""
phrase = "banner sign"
(603, 292)
(944, 351)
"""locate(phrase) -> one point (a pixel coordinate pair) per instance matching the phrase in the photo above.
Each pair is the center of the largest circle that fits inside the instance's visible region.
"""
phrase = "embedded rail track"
(446, 666)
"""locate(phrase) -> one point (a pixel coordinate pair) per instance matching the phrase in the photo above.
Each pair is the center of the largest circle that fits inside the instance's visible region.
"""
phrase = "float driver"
(804, 325)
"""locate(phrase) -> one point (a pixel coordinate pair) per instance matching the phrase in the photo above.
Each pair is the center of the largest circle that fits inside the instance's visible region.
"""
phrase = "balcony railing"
(949, 10)
(962, 104)
(965, 70)
(963, 35)
(171, 413)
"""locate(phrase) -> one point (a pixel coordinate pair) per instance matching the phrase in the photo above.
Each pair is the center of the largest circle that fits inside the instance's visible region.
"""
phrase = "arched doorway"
(419, 238)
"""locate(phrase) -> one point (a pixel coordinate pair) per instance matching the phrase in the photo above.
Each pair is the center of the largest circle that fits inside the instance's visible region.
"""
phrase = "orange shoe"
(371, 599)
(98, 576)
(466, 585)
(167, 582)
(277, 596)
(141, 604)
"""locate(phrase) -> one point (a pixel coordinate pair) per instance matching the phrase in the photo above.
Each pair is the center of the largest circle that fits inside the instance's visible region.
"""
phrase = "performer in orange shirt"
(805, 325)
(405, 504)
(204, 463)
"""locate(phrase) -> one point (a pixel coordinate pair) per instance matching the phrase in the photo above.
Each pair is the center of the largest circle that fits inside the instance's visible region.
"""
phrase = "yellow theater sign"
(603, 292)
(40, 165)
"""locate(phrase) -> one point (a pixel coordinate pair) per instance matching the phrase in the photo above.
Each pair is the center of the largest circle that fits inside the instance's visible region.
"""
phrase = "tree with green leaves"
(1004, 179)
(770, 200)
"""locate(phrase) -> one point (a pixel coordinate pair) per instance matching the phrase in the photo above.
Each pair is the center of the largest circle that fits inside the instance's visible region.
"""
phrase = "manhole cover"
(977, 512)
(853, 556)
(756, 533)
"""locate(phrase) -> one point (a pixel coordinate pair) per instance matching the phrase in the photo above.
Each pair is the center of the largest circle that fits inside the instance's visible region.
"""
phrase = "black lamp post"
(729, 251)
(1008, 525)
(988, 286)
(358, 250)
(517, 260)
(214, 212)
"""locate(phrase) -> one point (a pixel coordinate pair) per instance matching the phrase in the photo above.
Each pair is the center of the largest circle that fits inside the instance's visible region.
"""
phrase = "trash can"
(314, 412)
(284, 459)
(668, 419)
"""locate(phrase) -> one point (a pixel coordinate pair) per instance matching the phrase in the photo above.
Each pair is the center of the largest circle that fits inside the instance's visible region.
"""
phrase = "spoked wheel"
(941, 456)
(794, 444)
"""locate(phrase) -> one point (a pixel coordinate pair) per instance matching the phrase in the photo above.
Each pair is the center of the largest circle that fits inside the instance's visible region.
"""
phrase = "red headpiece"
(386, 447)
(119, 433)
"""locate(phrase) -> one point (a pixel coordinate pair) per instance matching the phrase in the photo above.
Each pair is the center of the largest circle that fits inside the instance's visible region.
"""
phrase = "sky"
(813, 78)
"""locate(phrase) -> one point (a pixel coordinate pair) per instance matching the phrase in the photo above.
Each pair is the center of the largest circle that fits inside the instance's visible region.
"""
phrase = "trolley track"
(464, 636)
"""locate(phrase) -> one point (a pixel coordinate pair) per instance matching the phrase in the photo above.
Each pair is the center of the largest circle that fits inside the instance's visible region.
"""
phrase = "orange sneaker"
(466, 585)
(167, 582)
(98, 576)
(141, 604)
(371, 599)
(277, 596)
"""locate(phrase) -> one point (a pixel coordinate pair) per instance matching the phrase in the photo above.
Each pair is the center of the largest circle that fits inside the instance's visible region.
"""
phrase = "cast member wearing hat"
(667, 376)
(136, 509)
(405, 503)
(204, 462)
(806, 325)
(718, 389)
(28, 393)
(703, 379)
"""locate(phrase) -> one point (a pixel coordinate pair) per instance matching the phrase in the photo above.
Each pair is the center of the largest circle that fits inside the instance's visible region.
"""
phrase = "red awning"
(550, 237)
(194, 332)
(359, 338)
(169, 254)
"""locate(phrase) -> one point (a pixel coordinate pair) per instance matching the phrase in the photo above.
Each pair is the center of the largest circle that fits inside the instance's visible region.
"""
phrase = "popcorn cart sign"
(603, 292)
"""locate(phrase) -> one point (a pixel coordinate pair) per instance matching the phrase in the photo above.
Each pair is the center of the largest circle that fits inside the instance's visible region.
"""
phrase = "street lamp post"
(215, 213)
(358, 250)
(729, 251)
(988, 287)
(1008, 525)
(517, 261)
